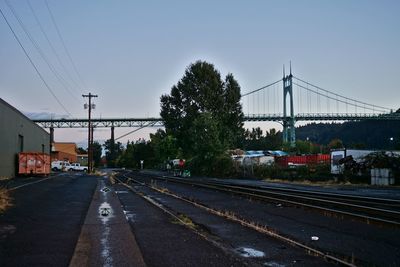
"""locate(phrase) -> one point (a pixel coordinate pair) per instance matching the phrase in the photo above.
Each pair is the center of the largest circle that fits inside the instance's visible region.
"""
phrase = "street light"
(391, 139)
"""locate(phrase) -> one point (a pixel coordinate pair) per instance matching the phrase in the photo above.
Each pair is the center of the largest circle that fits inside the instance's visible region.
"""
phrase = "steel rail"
(261, 194)
(269, 232)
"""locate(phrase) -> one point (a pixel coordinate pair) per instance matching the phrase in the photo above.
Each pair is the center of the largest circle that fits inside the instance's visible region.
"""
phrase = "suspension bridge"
(273, 102)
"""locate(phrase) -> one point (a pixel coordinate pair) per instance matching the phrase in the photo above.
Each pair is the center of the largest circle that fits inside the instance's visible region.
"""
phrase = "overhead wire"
(33, 64)
(64, 45)
(53, 49)
(131, 132)
(40, 51)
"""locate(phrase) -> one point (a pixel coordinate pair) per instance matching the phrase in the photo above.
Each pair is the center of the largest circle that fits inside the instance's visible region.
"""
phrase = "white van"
(59, 165)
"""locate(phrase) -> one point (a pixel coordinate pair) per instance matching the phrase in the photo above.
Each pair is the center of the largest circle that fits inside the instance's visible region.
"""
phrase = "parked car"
(77, 167)
(59, 165)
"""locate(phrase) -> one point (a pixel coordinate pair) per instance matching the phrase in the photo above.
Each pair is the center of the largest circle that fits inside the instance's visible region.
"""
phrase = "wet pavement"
(106, 238)
(43, 226)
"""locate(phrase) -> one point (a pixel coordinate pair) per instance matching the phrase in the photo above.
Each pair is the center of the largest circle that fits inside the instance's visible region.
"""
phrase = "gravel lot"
(368, 244)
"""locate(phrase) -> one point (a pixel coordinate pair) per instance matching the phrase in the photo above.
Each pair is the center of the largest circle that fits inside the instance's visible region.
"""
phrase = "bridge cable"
(342, 101)
(341, 96)
(261, 88)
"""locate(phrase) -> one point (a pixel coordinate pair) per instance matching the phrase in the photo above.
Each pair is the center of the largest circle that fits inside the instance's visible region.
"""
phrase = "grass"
(5, 200)
(184, 219)
(308, 182)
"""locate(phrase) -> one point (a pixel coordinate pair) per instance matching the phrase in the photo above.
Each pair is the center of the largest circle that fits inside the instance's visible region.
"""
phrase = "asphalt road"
(43, 226)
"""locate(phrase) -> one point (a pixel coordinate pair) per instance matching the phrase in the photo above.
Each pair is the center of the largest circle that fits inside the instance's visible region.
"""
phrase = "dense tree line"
(361, 135)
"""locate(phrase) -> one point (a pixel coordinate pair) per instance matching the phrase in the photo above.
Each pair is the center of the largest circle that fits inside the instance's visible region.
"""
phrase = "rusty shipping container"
(33, 163)
(285, 161)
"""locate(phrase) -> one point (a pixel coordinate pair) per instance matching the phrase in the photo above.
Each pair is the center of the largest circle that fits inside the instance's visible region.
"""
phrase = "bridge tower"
(289, 134)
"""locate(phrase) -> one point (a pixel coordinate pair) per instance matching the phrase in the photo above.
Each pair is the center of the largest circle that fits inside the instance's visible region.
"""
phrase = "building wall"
(60, 155)
(18, 134)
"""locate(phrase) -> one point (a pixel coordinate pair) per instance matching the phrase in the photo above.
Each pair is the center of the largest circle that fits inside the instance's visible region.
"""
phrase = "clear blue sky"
(131, 52)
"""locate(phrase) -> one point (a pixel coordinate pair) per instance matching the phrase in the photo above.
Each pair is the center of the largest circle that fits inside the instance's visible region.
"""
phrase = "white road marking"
(35, 182)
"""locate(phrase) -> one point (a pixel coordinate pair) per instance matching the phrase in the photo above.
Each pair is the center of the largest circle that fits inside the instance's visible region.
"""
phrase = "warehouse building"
(18, 134)
(64, 151)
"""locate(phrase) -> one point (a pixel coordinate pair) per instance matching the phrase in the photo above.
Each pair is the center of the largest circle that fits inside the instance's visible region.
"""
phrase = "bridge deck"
(157, 122)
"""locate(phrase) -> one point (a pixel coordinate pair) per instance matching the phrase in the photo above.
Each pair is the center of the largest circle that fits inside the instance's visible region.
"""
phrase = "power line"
(131, 132)
(63, 43)
(52, 47)
(33, 64)
(40, 51)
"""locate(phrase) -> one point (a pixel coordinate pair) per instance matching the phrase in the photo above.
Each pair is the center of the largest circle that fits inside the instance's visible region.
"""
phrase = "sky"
(129, 53)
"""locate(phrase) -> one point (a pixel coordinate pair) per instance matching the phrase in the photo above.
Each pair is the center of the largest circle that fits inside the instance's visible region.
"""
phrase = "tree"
(81, 150)
(97, 151)
(165, 146)
(197, 99)
(233, 117)
(255, 140)
(135, 152)
(113, 150)
(335, 143)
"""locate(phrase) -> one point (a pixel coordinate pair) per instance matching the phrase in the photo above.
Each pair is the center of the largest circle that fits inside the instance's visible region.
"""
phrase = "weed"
(5, 200)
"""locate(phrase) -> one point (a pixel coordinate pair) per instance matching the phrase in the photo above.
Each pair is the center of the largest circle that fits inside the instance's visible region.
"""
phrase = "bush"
(220, 166)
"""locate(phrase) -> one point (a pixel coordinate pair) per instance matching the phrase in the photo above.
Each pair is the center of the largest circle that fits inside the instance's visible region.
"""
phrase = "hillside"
(363, 134)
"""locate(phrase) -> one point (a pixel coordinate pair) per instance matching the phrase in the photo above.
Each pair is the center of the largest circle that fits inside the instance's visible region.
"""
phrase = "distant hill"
(363, 134)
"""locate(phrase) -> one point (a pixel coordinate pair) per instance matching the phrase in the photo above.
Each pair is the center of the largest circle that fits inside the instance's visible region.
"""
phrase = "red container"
(33, 163)
(285, 161)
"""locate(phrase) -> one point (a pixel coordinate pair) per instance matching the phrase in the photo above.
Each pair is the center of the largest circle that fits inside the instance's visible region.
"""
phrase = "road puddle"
(130, 216)
(121, 192)
(273, 264)
(105, 212)
(250, 252)
(106, 249)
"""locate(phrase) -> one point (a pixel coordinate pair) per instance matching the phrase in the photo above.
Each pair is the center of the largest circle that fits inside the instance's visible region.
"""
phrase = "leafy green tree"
(81, 150)
(113, 150)
(200, 99)
(165, 146)
(97, 151)
(233, 117)
(335, 143)
(135, 152)
(255, 140)
(210, 157)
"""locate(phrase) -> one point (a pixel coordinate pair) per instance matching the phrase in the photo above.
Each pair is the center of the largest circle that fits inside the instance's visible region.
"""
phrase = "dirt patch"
(5, 200)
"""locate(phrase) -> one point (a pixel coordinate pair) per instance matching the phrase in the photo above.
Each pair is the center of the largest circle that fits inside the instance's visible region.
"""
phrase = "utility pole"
(90, 131)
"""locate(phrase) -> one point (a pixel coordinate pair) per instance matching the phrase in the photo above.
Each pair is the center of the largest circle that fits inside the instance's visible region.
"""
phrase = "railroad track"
(127, 179)
(368, 209)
